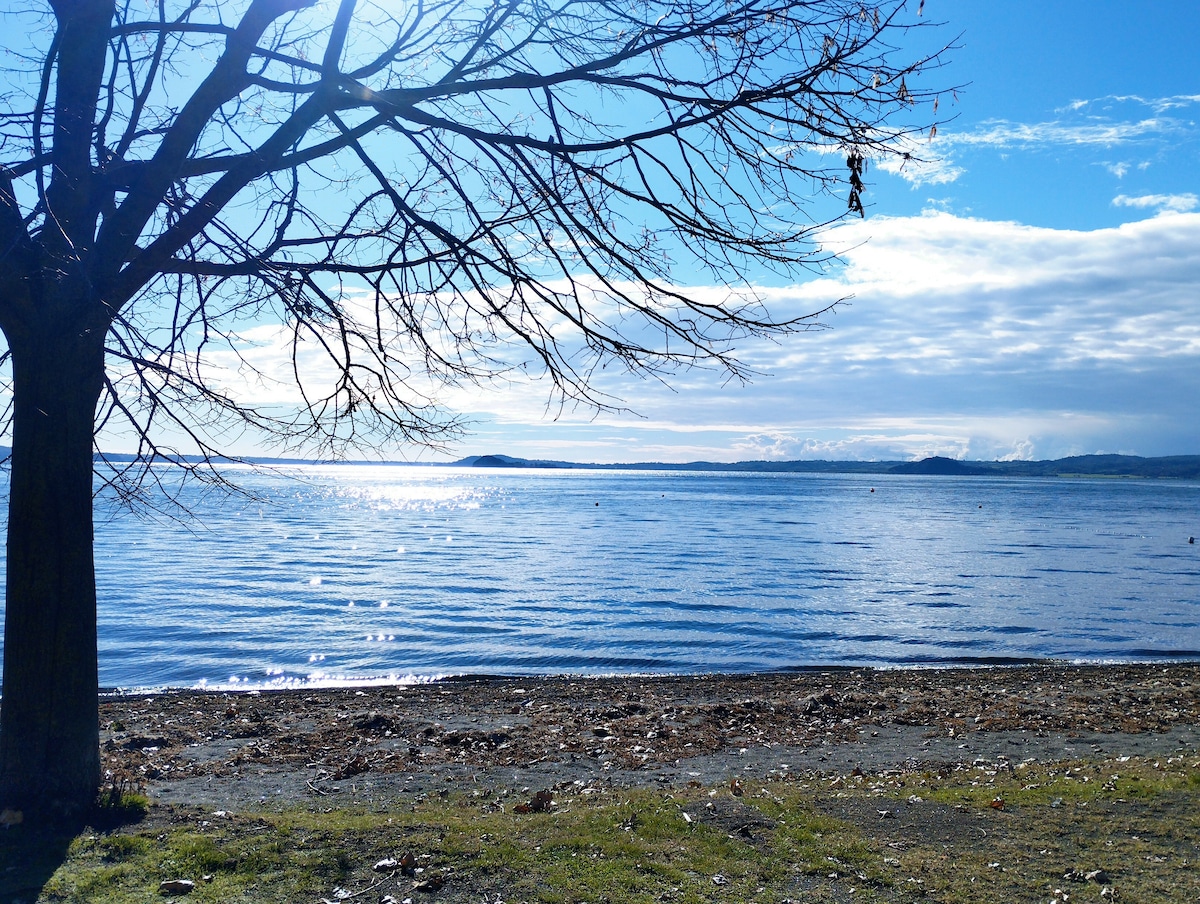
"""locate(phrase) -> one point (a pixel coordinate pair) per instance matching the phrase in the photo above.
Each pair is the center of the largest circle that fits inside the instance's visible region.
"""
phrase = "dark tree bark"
(49, 757)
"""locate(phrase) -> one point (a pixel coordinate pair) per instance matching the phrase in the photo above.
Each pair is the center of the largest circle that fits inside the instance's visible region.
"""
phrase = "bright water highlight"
(386, 572)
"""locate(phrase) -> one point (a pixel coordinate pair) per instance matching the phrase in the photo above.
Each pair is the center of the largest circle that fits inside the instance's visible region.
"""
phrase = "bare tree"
(420, 192)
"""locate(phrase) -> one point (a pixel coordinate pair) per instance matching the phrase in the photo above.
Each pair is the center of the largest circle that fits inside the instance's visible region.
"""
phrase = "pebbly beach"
(227, 748)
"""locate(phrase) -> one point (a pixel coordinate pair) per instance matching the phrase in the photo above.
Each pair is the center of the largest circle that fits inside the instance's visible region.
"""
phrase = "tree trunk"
(49, 721)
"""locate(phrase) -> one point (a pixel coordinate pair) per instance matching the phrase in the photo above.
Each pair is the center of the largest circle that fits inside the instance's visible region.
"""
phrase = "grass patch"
(895, 837)
(1123, 829)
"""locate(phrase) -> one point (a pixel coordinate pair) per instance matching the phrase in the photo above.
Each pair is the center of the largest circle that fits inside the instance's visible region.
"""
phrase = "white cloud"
(975, 338)
(1023, 450)
(1109, 122)
(1083, 124)
(922, 163)
(1156, 104)
(952, 294)
(963, 337)
(772, 445)
(1005, 134)
(907, 445)
(1180, 203)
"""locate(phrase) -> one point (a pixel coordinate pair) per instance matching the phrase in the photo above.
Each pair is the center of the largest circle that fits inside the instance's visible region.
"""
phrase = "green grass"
(808, 839)
(1047, 827)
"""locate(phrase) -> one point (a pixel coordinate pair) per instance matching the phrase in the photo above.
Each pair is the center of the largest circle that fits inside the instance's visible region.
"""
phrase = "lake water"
(369, 572)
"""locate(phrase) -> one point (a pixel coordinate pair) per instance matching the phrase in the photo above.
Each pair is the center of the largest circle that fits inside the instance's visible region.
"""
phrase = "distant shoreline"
(1177, 467)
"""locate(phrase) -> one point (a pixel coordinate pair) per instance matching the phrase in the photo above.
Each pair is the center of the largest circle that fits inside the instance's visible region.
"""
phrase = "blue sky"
(1032, 290)
(1029, 288)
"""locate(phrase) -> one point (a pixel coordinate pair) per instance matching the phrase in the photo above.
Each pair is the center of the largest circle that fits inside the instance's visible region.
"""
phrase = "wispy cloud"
(1180, 203)
(998, 133)
(922, 163)
(1109, 122)
(1155, 104)
(935, 162)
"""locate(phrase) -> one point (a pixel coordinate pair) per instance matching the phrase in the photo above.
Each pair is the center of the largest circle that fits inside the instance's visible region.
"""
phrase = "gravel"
(374, 745)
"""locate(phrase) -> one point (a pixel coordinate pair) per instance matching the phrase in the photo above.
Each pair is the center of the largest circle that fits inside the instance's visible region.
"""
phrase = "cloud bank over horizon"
(951, 335)
(961, 337)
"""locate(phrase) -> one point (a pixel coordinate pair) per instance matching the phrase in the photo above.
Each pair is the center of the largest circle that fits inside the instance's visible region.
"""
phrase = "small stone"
(718, 879)
(541, 802)
(430, 884)
(386, 865)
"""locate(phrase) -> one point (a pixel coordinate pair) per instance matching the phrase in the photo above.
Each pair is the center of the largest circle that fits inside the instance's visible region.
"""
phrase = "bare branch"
(518, 186)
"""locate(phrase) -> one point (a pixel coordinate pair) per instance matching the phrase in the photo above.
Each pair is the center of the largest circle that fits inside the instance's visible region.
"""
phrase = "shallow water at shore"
(370, 572)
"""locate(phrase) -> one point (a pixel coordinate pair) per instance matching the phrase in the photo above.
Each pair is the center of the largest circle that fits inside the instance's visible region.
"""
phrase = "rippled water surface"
(362, 571)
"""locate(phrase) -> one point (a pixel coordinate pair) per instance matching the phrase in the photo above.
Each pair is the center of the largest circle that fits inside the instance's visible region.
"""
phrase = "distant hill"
(839, 467)
(939, 465)
(1130, 466)
(507, 461)
(1185, 466)
(1100, 466)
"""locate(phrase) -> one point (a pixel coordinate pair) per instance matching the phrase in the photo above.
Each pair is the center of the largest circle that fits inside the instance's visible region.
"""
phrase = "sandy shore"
(241, 749)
